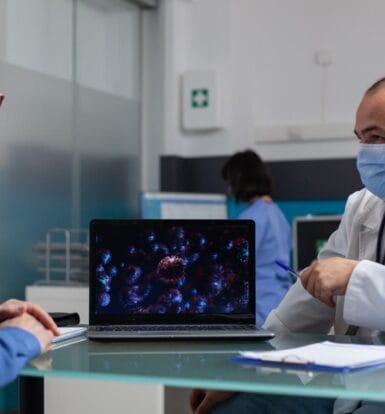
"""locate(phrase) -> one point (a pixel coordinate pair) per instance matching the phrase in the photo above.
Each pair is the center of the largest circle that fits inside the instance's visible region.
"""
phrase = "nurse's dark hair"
(247, 176)
(376, 86)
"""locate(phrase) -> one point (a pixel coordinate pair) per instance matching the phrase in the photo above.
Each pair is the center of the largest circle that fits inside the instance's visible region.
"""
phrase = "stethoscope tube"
(379, 242)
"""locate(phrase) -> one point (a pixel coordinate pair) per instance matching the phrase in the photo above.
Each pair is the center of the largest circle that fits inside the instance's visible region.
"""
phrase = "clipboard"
(322, 356)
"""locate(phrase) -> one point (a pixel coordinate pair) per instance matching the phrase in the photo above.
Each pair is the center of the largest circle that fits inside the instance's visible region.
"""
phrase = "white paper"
(69, 332)
(327, 354)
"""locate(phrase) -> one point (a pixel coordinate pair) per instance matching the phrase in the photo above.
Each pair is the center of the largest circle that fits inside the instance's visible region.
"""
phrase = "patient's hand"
(202, 401)
(32, 325)
(13, 308)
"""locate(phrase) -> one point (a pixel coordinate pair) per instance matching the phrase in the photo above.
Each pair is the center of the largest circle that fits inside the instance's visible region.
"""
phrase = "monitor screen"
(164, 205)
(310, 233)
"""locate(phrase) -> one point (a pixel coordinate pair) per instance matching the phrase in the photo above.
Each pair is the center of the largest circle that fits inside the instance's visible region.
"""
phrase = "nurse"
(249, 182)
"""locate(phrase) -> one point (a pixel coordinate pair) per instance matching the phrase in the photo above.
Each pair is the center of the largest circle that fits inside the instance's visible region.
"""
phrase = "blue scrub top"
(272, 242)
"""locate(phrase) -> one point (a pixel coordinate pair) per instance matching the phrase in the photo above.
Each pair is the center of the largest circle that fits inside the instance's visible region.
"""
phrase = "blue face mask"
(371, 166)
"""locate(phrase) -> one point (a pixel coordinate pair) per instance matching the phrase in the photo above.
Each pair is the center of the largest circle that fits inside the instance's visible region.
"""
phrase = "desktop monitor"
(310, 233)
(167, 205)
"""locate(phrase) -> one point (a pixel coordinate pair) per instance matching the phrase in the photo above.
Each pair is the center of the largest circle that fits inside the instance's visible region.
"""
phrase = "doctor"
(344, 288)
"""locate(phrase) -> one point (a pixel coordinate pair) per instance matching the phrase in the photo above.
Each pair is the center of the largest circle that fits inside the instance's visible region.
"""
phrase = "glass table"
(197, 364)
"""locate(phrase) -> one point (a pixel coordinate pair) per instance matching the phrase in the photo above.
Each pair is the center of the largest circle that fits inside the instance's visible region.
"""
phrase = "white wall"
(264, 52)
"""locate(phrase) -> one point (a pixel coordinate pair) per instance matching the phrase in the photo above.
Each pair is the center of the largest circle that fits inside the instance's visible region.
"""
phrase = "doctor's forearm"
(365, 296)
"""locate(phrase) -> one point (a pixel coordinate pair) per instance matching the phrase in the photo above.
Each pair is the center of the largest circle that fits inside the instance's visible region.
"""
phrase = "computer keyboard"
(151, 328)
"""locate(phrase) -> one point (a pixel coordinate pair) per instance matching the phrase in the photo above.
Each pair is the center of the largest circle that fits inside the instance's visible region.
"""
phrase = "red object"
(1, 99)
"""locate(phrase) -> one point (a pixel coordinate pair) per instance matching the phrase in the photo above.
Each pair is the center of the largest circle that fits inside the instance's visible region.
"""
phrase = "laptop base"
(153, 333)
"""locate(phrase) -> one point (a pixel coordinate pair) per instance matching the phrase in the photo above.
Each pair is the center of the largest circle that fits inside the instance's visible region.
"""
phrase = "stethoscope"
(379, 242)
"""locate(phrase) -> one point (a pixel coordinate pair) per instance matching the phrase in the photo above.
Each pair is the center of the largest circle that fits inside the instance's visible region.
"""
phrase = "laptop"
(172, 279)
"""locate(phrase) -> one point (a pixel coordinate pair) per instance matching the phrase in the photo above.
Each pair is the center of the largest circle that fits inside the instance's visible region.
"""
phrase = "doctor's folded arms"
(343, 289)
(26, 330)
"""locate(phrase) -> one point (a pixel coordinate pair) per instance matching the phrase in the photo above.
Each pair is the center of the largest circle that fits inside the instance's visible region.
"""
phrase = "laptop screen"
(172, 271)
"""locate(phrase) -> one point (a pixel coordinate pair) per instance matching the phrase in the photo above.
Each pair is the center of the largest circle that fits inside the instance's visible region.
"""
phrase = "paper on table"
(69, 332)
(323, 355)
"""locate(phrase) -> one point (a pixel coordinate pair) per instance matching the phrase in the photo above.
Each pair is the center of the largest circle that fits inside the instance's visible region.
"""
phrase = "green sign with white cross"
(200, 98)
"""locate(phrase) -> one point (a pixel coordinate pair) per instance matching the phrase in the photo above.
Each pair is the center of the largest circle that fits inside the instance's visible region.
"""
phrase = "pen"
(287, 268)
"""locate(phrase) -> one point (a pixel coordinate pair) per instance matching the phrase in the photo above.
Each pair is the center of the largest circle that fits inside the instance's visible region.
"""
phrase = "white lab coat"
(364, 302)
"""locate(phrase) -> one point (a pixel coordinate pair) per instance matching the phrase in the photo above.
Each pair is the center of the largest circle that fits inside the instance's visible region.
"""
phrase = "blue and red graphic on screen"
(179, 270)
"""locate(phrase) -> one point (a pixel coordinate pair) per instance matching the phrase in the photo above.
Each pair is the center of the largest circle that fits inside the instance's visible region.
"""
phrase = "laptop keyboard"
(178, 328)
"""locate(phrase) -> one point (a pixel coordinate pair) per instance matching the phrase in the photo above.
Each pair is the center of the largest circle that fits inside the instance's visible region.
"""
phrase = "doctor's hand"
(327, 278)
(202, 401)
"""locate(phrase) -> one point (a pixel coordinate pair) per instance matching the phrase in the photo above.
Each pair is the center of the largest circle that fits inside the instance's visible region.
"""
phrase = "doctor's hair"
(247, 176)
(379, 84)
